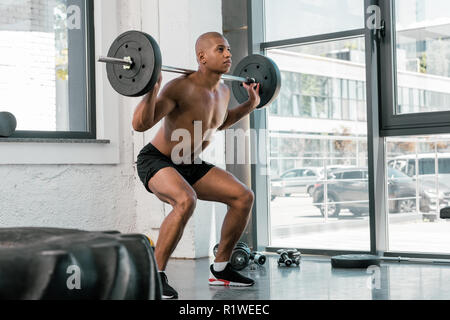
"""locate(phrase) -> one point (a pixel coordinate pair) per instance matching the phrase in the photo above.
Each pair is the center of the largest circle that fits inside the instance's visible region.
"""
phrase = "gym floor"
(316, 280)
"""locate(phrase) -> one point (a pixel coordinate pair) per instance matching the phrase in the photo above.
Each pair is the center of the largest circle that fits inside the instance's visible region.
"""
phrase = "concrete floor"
(316, 280)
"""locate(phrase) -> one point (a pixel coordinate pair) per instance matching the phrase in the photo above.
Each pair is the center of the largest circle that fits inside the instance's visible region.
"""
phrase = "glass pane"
(423, 56)
(327, 208)
(287, 19)
(418, 187)
(43, 54)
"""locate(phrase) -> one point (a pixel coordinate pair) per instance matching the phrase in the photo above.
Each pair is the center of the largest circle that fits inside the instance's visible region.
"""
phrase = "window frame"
(91, 120)
(393, 124)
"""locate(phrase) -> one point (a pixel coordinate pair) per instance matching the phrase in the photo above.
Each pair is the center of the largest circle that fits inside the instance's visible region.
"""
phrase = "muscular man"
(183, 102)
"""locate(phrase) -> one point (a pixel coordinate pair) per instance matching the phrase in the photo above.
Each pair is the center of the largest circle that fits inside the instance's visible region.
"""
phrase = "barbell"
(134, 63)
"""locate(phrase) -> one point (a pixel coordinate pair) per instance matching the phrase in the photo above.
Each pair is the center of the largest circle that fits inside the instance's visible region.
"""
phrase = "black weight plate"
(156, 67)
(265, 71)
(147, 63)
(355, 261)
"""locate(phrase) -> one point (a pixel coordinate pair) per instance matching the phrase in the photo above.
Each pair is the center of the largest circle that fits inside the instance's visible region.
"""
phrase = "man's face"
(218, 57)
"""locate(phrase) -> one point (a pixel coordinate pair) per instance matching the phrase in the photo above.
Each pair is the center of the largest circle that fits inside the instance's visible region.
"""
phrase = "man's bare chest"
(210, 109)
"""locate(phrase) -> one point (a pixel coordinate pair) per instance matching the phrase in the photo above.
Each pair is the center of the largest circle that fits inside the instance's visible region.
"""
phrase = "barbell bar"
(127, 63)
(134, 63)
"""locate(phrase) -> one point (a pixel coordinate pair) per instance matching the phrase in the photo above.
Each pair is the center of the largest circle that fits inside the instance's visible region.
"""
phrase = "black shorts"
(150, 160)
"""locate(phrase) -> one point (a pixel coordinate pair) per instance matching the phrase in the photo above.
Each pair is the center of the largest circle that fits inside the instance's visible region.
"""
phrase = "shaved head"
(206, 41)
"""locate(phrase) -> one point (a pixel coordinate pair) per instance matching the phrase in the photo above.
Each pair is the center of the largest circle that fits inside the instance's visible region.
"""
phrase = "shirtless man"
(203, 97)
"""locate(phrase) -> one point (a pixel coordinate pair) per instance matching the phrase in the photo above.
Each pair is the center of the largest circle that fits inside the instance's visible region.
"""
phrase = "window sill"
(45, 151)
(39, 140)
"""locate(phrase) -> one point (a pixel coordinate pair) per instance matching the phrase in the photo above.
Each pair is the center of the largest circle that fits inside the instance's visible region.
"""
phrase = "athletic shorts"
(150, 161)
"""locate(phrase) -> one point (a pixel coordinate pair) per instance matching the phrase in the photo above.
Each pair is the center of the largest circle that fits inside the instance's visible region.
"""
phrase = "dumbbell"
(241, 256)
(134, 63)
(238, 245)
(258, 258)
(289, 257)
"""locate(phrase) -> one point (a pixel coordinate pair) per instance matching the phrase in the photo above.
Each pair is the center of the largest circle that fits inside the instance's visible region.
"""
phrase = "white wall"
(96, 187)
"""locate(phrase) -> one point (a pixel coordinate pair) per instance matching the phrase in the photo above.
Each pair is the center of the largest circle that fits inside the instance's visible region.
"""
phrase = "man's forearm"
(237, 114)
(145, 113)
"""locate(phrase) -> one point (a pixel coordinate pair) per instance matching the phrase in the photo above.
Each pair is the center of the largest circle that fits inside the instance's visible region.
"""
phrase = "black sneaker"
(168, 291)
(229, 277)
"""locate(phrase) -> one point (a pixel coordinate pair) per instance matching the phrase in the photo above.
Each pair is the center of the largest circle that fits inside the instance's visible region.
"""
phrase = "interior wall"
(111, 197)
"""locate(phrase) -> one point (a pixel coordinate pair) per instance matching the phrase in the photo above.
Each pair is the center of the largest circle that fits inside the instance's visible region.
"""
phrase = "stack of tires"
(60, 264)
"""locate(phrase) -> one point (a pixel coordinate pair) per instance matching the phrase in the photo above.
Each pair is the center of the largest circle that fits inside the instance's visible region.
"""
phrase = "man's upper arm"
(166, 102)
(222, 126)
(228, 91)
(164, 105)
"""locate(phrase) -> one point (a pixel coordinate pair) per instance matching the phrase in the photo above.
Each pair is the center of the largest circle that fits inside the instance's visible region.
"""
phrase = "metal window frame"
(260, 184)
(378, 216)
(393, 124)
(91, 120)
(342, 35)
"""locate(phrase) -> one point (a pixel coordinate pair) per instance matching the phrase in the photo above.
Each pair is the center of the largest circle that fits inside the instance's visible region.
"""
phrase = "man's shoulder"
(175, 86)
(225, 88)
(177, 82)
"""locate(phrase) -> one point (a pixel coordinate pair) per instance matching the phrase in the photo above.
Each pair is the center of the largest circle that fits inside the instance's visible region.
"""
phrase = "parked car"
(330, 169)
(426, 170)
(436, 183)
(294, 181)
(351, 185)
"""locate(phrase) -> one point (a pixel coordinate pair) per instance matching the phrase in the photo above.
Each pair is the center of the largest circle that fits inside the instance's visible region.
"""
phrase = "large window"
(46, 48)
(318, 156)
(337, 183)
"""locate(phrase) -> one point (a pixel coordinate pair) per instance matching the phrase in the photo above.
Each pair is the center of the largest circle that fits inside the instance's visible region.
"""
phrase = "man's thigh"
(168, 185)
(219, 186)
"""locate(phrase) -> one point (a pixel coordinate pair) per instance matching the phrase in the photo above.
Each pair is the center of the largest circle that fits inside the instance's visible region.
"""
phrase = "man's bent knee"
(185, 204)
(245, 200)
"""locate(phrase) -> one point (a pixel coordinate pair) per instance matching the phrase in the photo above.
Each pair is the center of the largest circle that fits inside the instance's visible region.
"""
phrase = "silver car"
(294, 181)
